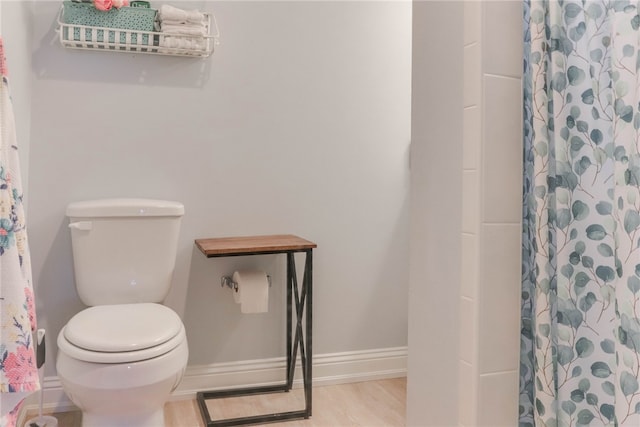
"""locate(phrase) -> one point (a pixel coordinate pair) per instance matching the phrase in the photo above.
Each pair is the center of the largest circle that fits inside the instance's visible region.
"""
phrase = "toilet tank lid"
(124, 208)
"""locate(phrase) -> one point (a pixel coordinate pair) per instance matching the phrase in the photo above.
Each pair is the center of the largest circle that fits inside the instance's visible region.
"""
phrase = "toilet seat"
(121, 333)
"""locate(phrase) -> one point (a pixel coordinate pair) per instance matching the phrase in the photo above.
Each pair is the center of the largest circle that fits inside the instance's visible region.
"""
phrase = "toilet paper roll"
(253, 291)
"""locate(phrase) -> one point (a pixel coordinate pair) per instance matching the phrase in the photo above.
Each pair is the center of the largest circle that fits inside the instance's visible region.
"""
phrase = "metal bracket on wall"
(229, 283)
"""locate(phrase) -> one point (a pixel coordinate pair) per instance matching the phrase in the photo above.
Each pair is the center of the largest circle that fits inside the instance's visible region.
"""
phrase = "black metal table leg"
(290, 359)
(308, 286)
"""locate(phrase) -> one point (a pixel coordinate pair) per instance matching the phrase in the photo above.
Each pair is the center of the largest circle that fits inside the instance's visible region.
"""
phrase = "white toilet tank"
(124, 250)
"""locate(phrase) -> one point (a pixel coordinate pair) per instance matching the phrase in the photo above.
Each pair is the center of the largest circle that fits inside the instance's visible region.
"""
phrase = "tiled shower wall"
(491, 219)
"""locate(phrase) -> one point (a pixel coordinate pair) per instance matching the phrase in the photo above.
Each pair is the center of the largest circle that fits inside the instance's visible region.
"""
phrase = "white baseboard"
(333, 368)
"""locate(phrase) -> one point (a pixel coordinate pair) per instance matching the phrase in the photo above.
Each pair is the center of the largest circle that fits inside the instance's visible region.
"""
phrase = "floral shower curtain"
(580, 347)
(18, 371)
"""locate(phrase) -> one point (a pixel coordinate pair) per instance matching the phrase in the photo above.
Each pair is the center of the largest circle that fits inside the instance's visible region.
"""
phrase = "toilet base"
(150, 419)
(122, 395)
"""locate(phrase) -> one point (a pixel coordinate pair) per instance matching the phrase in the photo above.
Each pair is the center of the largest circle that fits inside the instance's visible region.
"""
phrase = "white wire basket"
(75, 36)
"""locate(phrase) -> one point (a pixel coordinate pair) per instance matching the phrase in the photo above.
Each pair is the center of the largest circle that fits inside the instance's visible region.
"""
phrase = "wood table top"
(224, 246)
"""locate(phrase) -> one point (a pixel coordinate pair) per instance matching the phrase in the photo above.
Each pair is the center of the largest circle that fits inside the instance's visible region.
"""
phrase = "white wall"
(299, 123)
(436, 161)
(492, 212)
(17, 25)
(465, 266)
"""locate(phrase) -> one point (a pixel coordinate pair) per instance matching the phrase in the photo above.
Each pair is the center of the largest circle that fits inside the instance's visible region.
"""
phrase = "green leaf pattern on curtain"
(580, 348)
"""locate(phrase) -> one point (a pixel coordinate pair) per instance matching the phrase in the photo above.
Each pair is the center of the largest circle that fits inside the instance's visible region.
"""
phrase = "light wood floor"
(365, 404)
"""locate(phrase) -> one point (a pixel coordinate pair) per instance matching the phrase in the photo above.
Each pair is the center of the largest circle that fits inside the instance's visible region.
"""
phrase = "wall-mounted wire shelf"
(86, 37)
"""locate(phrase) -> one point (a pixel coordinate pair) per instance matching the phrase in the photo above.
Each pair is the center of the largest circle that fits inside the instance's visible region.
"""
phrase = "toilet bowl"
(119, 363)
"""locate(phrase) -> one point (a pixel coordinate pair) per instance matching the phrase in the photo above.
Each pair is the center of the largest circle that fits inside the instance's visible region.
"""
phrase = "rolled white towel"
(174, 22)
(175, 15)
(192, 30)
(183, 43)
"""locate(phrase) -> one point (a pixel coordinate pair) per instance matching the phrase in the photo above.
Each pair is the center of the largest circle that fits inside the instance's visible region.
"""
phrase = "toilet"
(120, 358)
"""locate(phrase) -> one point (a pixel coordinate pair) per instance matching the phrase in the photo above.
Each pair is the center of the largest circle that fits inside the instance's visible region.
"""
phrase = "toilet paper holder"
(229, 283)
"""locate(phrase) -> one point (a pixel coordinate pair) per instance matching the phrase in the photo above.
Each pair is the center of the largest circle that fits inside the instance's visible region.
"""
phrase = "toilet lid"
(122, 327)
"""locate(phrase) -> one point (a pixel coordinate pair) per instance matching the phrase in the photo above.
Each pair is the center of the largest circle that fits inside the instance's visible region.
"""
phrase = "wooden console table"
(299, 338)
